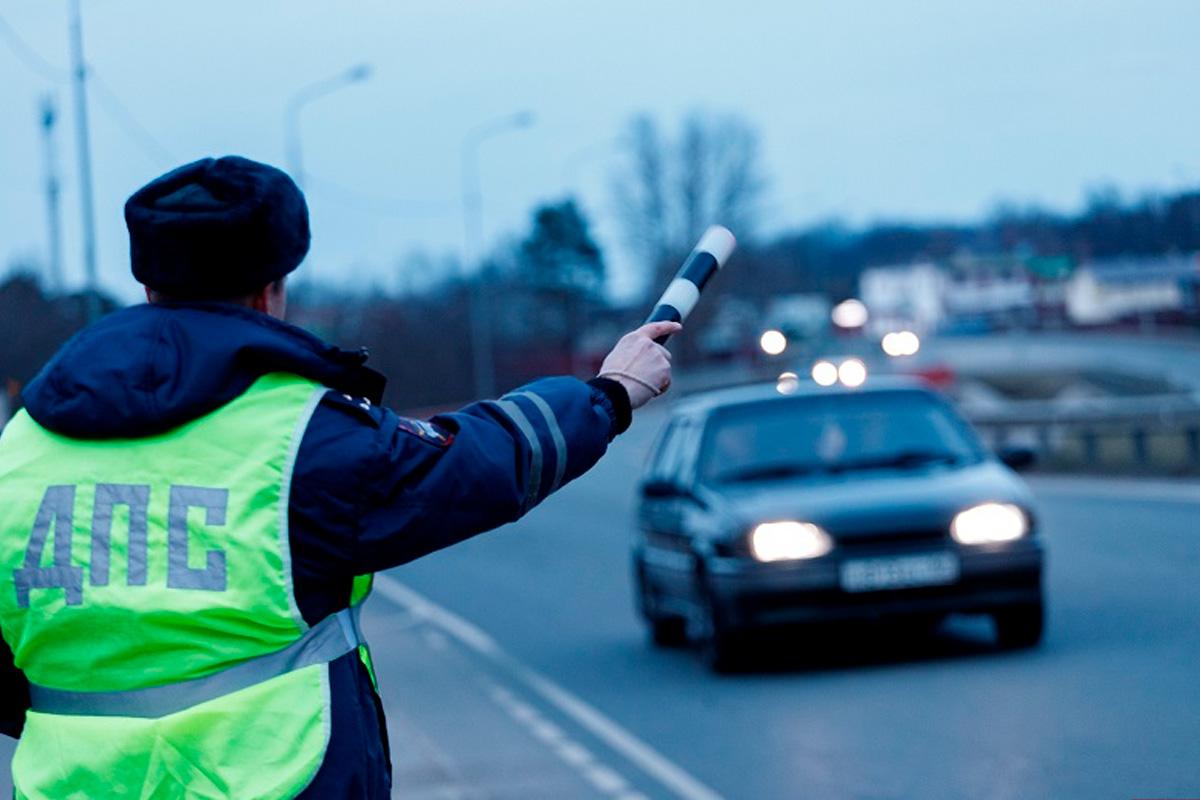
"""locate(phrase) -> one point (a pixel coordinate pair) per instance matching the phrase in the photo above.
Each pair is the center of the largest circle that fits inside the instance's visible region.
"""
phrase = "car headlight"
(989, 523)
(788, 540)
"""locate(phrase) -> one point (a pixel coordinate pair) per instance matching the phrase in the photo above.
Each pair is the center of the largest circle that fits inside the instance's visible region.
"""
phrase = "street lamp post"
(49, 116)
(483, 372)
(300, 99)
(87, 210)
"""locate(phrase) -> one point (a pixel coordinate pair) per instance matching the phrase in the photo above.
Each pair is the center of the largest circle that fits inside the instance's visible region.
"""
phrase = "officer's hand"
(640, 364)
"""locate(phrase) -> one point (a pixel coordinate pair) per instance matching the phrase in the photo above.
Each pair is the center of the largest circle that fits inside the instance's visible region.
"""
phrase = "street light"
(472, 202)
(300, 99)
(79, 72)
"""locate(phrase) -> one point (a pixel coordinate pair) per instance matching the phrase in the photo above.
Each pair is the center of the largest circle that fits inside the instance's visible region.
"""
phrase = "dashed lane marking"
(650, 761)
(605, 779)
(547, 732)
(602, 777)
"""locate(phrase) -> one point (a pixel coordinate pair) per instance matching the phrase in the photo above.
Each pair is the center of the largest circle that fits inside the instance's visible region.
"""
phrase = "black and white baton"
(681, 295)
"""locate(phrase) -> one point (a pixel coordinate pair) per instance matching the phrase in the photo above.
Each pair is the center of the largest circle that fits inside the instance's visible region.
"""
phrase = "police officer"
(195, 497)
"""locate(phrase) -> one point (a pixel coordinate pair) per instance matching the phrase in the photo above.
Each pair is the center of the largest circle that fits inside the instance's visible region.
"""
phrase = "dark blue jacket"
(371, 490)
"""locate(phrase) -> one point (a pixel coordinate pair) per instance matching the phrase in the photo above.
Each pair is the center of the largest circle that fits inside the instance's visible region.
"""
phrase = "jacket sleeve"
(433, 484)
(14, 694)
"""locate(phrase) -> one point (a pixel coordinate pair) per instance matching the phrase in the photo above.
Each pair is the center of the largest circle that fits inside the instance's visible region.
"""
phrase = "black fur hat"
(216, 228)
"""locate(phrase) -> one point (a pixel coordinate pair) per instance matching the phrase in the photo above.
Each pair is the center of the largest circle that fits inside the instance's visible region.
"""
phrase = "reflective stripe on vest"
(331, 638)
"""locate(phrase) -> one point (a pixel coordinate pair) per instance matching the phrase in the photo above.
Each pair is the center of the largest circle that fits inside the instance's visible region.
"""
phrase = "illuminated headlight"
(788, 383)
(825, 373)
(773, 342)
(852, 373)
(786, 541)
(901, 343)
(989, 523)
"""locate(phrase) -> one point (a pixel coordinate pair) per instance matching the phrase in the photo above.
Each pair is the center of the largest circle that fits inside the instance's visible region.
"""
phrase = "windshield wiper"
(906, 459)
(766, 472)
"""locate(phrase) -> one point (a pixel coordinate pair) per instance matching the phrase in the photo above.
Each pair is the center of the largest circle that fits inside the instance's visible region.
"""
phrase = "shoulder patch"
(425, 430)
(361, 402)
(359, 407)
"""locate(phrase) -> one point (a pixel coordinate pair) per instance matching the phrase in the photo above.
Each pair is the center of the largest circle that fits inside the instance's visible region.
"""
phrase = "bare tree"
(669, 190)
(641, 191)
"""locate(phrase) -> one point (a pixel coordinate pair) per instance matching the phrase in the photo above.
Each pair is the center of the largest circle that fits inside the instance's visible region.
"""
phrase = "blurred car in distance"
(762, 508)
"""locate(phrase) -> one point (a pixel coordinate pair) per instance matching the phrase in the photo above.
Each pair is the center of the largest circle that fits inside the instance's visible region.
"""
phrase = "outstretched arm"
(439, 482)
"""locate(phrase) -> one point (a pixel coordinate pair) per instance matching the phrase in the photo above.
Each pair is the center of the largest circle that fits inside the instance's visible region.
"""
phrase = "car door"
(667, 552)
(656, 509)
(693, 515)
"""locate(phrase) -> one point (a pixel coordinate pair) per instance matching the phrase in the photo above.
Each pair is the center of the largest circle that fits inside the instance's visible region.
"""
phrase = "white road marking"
(649, 760)
(574, 754)
(603, 778)
(547, 732)
(1117, 488)
(522, 712)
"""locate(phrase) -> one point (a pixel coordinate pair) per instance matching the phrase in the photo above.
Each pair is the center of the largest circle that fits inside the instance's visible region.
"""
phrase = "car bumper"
(750, 594)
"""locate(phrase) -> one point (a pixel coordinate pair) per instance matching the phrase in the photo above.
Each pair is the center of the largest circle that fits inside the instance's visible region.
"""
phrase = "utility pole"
(49, 116)
(79, 73)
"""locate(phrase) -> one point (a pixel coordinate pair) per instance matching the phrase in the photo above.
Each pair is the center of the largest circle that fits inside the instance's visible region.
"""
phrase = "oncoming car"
(827, 505)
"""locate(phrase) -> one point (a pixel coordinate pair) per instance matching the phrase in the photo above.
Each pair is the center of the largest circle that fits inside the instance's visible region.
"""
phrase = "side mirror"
(1017, 458)
(659, 488)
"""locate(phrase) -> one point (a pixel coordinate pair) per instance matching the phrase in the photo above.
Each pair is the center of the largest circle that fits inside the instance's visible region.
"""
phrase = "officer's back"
(197, 493)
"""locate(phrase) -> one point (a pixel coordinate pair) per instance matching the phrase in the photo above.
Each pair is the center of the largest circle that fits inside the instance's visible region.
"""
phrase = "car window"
(660, 455)
(673, 452)
(685, 456)
(834, 433)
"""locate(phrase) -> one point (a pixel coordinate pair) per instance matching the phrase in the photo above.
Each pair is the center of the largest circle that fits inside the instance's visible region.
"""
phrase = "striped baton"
(680, 297)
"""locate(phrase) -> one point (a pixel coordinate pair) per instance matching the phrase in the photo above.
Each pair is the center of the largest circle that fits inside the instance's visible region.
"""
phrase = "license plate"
(901, 572)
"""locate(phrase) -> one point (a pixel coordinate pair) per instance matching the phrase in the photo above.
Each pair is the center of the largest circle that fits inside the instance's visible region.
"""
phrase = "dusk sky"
(866, 110)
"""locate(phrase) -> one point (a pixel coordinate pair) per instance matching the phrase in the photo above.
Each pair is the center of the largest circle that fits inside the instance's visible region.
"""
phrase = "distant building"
(977, 293)
(1103, 292)
(996, 289)
(904, 296)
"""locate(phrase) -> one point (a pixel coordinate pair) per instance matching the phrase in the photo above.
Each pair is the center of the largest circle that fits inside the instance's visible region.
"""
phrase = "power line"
(117, 111)
(21, 49)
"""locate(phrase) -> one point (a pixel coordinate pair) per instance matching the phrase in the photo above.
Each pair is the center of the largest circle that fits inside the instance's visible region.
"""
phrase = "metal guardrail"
(1153, 434)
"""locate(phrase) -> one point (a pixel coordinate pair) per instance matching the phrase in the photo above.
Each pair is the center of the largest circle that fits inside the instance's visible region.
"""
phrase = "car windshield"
(832, 434)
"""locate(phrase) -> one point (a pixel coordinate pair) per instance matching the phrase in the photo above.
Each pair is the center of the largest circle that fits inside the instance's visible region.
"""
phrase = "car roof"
(704, 403)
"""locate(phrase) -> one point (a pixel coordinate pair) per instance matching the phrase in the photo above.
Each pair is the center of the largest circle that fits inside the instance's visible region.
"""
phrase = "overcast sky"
(868, 109)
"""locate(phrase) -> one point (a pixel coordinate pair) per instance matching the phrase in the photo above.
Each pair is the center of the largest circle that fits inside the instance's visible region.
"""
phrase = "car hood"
(878, 501)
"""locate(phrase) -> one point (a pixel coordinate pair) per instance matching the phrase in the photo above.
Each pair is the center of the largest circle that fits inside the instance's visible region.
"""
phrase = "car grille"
(889, 540)
(858, 544)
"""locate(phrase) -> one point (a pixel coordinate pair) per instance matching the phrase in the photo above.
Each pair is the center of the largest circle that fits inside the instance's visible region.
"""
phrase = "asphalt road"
(1109, 706)
(513, 667)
